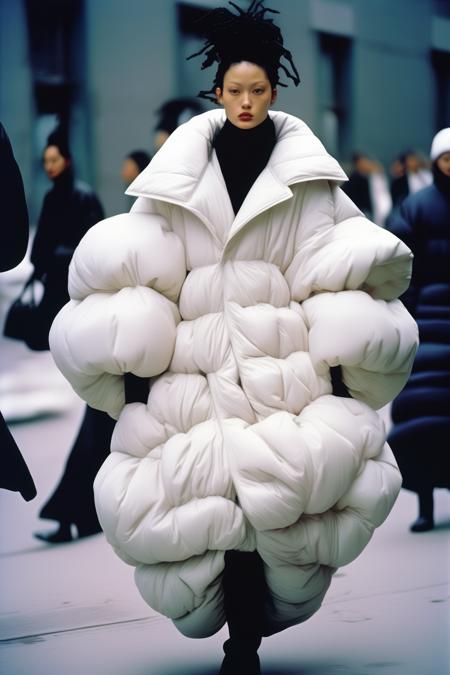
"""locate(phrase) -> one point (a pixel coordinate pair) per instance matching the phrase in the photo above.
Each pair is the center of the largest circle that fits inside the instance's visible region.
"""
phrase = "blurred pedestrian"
(413, 176)
(421, 413)
(241, 276)
(70, 209)
(171, 114)
(368, 188)
(14, 473)
(133, 164)
(15, 228)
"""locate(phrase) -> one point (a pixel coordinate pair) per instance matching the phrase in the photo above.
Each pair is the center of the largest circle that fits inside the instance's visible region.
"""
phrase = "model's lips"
(245, 116)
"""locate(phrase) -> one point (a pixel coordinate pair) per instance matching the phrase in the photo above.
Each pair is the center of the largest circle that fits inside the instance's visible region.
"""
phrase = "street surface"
(73, 609)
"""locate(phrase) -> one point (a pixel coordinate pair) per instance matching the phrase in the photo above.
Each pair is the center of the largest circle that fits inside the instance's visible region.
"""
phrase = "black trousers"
(244, 589)
(73, 498)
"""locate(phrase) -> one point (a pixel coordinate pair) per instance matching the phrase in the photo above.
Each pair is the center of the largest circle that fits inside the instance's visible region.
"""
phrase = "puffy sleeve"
(349, 275)
(374, 342)
(124, 281)
(349, 253)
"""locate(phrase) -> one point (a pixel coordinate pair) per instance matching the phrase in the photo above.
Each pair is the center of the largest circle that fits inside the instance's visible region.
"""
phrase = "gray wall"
(393, 79)
(130, 70)
(131, 59)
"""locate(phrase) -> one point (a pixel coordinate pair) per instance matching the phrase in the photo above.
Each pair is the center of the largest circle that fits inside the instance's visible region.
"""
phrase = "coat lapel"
(266, 191)
(186, 172)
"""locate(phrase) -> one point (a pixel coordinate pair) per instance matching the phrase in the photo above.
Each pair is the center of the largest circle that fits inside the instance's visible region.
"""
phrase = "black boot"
(425, 520)
(88, 529)
(241, 658)
(60, 536)
(64, 533)
(244, 591)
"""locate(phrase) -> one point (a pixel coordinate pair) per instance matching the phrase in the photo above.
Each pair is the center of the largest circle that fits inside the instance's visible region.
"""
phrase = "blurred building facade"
(375, 76)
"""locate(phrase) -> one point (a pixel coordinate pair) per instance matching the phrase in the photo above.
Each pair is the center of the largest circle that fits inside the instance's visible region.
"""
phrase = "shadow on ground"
(32, 418)
(270, 668)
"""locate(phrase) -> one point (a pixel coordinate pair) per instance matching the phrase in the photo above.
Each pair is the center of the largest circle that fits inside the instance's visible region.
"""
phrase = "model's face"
(54, 162)
(247, 95)
(443, 163)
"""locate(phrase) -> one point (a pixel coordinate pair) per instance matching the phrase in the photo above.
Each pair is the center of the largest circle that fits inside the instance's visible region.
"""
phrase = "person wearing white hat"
(440, 150)
(421, 413)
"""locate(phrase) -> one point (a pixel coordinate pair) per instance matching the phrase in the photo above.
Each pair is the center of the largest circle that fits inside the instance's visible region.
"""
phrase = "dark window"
(441, 66)
(334, 92)
(51, 25)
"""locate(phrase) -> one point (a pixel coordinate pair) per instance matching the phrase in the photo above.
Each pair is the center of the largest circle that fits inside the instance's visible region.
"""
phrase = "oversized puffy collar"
(181, 171)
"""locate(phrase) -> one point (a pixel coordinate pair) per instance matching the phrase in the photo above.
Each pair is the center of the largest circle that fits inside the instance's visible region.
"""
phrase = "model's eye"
(234, 92)
(259, 90)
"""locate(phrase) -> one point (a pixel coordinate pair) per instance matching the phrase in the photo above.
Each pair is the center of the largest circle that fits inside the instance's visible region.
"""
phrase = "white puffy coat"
(237, 320)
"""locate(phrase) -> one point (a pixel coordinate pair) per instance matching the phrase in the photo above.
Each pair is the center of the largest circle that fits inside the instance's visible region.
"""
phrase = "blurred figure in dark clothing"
(173, 113)
(15, 230)
(367, 187)
(414, 177)
(70, 209)
(357, 186)
(133, 164)
(421, 413)
(14, 473)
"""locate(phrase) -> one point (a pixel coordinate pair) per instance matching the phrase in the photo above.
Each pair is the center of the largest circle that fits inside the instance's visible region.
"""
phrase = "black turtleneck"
(64, 182)
(242, 155)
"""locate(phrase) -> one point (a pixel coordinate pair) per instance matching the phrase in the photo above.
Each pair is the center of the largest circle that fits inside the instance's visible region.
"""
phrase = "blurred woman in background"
(70, 208)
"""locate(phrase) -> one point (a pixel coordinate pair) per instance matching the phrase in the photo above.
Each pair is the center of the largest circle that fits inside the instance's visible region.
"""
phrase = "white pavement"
(73, 609)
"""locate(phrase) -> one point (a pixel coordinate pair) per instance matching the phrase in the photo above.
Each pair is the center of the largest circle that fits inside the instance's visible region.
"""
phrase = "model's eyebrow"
(259, 83)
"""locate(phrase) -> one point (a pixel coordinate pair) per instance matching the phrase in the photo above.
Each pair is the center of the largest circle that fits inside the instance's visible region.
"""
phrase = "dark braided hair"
(245, 36)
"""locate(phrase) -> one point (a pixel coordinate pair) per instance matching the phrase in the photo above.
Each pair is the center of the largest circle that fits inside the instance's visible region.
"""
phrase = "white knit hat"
(440, 144)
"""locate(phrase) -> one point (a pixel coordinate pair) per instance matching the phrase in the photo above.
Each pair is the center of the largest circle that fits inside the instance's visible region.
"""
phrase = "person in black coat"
(421, 413)
(358, 185)
(70, 208)
(14, 474)
(15, 230)
(368, 188)
(413, 178)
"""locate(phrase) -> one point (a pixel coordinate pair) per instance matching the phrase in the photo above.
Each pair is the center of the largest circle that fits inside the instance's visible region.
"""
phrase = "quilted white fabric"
(237, 320)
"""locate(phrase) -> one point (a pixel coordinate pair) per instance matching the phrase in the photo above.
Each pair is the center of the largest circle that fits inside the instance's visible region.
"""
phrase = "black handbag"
(26, 320)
